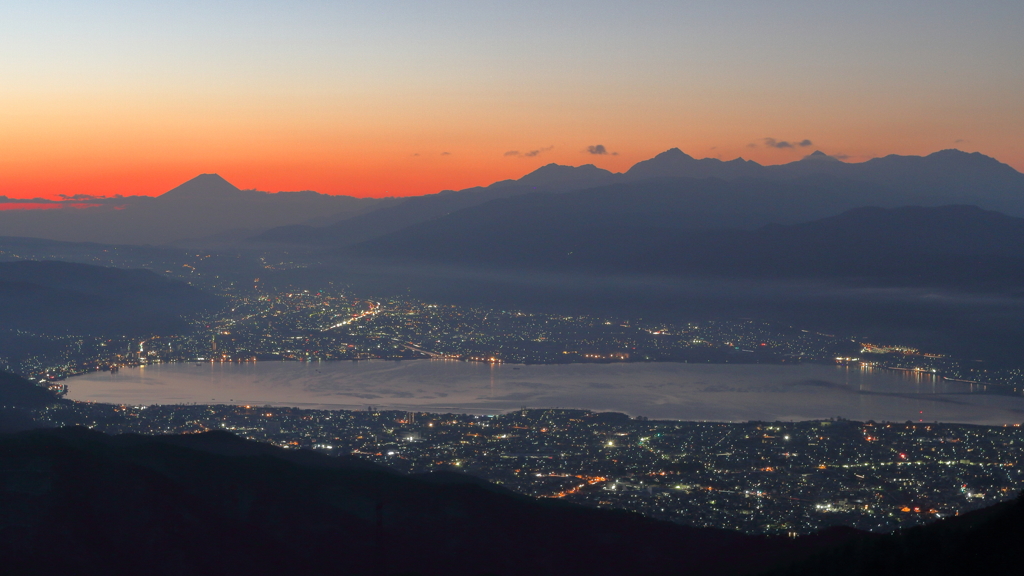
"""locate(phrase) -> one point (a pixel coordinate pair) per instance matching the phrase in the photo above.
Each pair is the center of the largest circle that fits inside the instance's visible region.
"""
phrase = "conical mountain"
(672, 162)
(204, 187)
(819, 156)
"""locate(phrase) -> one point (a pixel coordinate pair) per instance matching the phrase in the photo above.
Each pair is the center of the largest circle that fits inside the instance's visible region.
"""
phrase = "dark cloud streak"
(80, 197)
(782, 144)
(530, 154)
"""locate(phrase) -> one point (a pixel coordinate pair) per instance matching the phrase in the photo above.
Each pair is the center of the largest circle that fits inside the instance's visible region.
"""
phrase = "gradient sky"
(399, 98)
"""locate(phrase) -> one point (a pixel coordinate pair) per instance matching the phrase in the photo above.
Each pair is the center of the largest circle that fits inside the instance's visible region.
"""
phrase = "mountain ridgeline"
(712, 193)
(208, 211)
(205, 210)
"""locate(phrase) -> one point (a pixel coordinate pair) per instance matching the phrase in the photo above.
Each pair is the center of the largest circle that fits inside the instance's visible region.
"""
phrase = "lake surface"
(715, 392)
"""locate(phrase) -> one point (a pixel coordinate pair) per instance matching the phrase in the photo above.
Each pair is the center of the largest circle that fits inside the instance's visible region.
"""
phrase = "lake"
(714, 392)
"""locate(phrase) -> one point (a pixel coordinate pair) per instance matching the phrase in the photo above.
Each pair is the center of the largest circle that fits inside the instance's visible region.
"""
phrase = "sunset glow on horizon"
(406, 98)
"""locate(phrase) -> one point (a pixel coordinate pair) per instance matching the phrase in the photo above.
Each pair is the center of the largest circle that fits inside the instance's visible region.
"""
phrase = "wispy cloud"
(529, 154)
(446, 153)
(533, 153)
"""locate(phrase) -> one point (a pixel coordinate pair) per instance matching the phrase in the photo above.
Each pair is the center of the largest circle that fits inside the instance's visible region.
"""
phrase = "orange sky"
(112, 98)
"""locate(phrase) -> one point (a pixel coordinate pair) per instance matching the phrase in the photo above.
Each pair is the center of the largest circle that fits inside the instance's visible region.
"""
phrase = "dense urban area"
(264, 321)
(757, 477)
(303, 325)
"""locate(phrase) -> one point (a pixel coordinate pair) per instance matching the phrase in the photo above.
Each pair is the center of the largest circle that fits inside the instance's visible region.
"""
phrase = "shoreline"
(492, 414)
(817, 362)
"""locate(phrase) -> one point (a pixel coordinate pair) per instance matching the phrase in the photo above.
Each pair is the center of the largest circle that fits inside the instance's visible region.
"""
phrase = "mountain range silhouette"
(208, 210)
(817, 186)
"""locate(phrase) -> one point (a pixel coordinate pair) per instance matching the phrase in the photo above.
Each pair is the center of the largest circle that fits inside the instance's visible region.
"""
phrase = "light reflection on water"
(717, 392)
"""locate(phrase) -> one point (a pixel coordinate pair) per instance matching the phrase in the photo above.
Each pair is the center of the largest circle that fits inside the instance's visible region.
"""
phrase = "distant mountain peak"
(669, 162)
(673, 153)
(953, 154)
(553, 167)
(676, 163)
(952, 161)
(558, 173)
(819, 156)
(202, 187)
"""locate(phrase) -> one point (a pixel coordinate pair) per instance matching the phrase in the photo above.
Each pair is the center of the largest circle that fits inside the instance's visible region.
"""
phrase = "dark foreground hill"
(79, 502)
(982, 542)
(73, 501)
(16, 392)
(19, 399)
(62, 297)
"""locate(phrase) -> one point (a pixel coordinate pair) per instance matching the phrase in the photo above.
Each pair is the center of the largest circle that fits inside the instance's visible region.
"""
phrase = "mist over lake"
(715, 392)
